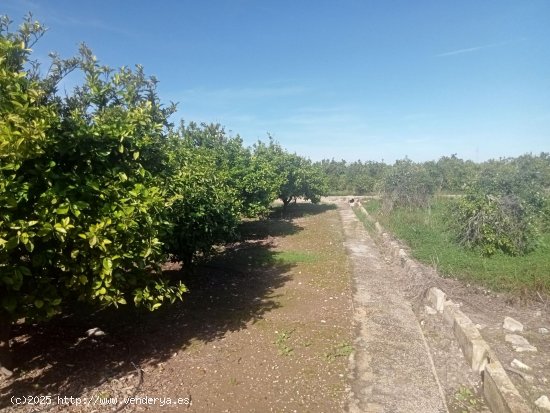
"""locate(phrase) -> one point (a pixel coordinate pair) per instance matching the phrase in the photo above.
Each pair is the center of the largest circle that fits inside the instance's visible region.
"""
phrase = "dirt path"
(392, 370)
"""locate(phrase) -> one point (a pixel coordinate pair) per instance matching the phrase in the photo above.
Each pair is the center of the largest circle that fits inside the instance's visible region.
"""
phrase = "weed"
(465, 401)
(343, 349)
(293, 257)
(282, 342)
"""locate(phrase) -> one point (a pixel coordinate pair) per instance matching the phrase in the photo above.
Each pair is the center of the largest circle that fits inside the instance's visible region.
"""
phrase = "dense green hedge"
(98, 189)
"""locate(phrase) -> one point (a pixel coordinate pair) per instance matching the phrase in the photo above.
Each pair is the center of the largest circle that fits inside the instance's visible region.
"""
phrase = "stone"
(95, 332)
(519, 343)
(519, 365)
(436, 297)
(543, 403)
(543, 330)
(6, 372)
(430, 310)
(512, 325)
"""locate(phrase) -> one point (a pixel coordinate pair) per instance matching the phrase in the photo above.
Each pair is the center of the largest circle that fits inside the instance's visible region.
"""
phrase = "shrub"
(407, 185)
(494, 223)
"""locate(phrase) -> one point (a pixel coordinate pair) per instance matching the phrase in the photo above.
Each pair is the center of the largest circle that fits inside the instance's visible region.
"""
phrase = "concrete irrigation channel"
(405, 361)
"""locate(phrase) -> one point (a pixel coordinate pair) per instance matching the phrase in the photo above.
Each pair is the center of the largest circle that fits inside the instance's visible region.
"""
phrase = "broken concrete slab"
(500, 393)
(437, 298)
(519, 343)
(543, 402)
(474, 348)
(512, 325)
(519, 365)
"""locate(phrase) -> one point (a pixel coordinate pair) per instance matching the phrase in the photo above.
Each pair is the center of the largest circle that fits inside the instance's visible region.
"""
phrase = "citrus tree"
(81, 206)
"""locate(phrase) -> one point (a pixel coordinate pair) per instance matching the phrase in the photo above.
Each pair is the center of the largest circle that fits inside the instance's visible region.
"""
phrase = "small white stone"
(512, 325)
(6, 372)
(543, 403)
(95, 332)
(430, 310)
(543, 330)
(519, 365)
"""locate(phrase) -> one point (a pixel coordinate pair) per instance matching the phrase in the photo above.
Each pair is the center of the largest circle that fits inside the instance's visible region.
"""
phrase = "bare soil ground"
(266, 327)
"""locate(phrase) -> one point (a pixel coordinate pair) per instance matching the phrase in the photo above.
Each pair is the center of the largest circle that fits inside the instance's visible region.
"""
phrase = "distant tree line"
(504, 204)
(448, 174)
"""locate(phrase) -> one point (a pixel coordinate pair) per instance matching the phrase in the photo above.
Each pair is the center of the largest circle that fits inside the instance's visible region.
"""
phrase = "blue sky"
(349, 79)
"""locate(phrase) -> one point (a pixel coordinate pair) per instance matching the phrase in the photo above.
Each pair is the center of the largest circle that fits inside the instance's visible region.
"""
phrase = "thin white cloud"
(470, 49)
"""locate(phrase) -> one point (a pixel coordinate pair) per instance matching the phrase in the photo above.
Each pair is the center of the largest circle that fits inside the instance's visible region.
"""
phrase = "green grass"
(427, 234)
(293, 257)
(369, 225)
(373, 206)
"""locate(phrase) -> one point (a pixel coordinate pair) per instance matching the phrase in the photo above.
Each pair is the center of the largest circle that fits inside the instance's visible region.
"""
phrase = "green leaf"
(107, 264)
(24, 270)
(59, 228)
(38, 303)
(83, 279)
(62, 210)
(29, 246)
(12, 243)
(9, 303)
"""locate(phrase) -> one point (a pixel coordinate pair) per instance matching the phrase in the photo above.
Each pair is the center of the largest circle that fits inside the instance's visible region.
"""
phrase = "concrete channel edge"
(498, 390)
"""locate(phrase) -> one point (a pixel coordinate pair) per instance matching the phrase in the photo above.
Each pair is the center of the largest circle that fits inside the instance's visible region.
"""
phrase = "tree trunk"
(6, 362)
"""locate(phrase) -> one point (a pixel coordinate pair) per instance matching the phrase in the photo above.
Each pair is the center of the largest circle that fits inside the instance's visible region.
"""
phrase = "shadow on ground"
(300, 210)
(236, 287)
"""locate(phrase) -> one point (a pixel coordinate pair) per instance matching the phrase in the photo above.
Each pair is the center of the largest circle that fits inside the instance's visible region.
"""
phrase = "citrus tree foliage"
(506, 206)
(407, 184)
(359, 178)
(254, 178)
(203, 209)
(81, 207)
(299, 177)
(494, 223)
(448, 174)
